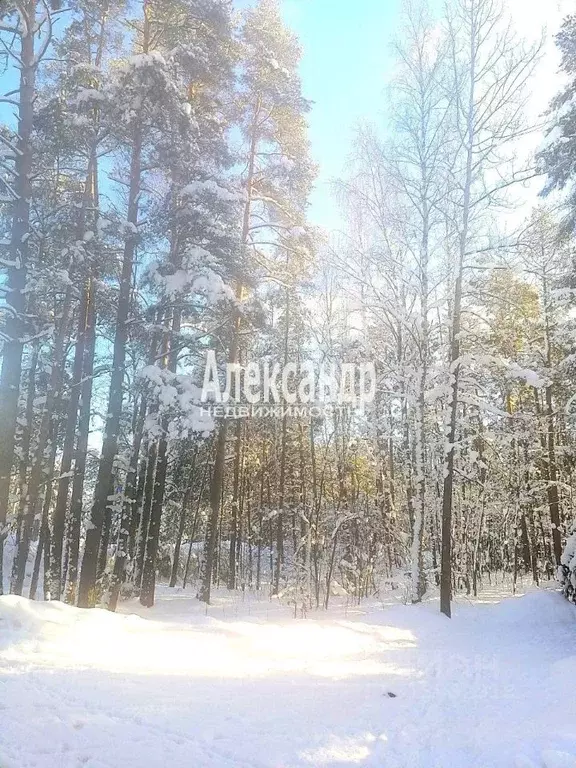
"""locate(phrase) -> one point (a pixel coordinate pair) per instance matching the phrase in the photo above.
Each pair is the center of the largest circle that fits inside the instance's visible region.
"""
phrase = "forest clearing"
(287, 383)
(242, 683)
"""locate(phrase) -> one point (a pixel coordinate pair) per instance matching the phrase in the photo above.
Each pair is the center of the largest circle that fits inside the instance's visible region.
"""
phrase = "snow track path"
(178, 689)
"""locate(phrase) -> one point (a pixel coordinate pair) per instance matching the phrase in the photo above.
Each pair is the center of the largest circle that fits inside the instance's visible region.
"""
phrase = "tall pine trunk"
(218, 473)
(88, 333)
(34, 496)
(87, 588)
(59, 515)
(182, 521)
(282, 480)
(122, 545)
(19, 256)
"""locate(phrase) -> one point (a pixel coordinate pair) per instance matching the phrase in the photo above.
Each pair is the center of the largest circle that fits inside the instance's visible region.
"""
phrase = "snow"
(87, 95)
(569, 550)
(554, 759)
(550, 138)
(527, 374)
(139, 60)
(179, 399)
(242, 684)
(195, 278)
(195, 188)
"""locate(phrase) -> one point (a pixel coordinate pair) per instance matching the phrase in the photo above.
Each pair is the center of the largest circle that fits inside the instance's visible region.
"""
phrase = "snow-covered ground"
(248, 686)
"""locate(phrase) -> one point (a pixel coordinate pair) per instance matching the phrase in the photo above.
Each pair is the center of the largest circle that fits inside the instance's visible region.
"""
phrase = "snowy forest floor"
(245, 685)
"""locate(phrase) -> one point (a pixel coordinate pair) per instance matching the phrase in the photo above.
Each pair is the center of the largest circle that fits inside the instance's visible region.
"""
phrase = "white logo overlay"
(296, 389)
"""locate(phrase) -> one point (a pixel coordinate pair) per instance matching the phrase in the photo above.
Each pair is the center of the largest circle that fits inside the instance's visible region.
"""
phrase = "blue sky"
(347, 58)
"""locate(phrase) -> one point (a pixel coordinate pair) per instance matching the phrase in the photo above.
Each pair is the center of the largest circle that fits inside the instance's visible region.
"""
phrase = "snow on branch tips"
(177, 409)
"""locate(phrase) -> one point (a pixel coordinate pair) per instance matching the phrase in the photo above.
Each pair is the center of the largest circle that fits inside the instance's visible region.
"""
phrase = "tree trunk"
(282, 479)
(218, 473)
(552, 487)
(212, 525)
(182, 521)
(232, 565)
(81, 452)
(152, 540)
(87, 594)
(34, 497)
(19, 255)
(149, 570)
(59, 515)
(448, 487)
(418, 579)
(122, 545)
(194, 524)
(145, 514)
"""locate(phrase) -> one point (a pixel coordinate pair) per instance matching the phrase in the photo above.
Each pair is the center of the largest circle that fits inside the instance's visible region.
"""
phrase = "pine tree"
(29, 43)
(276, 180)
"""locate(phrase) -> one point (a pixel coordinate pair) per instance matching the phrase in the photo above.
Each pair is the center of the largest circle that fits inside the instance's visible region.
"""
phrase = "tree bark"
(87, 591)
(19, 256)
(59, 514)
(53, 394)
(122, 545)
(80, 455)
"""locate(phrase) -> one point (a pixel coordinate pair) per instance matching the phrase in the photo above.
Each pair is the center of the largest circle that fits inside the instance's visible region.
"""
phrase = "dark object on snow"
(390, 694)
